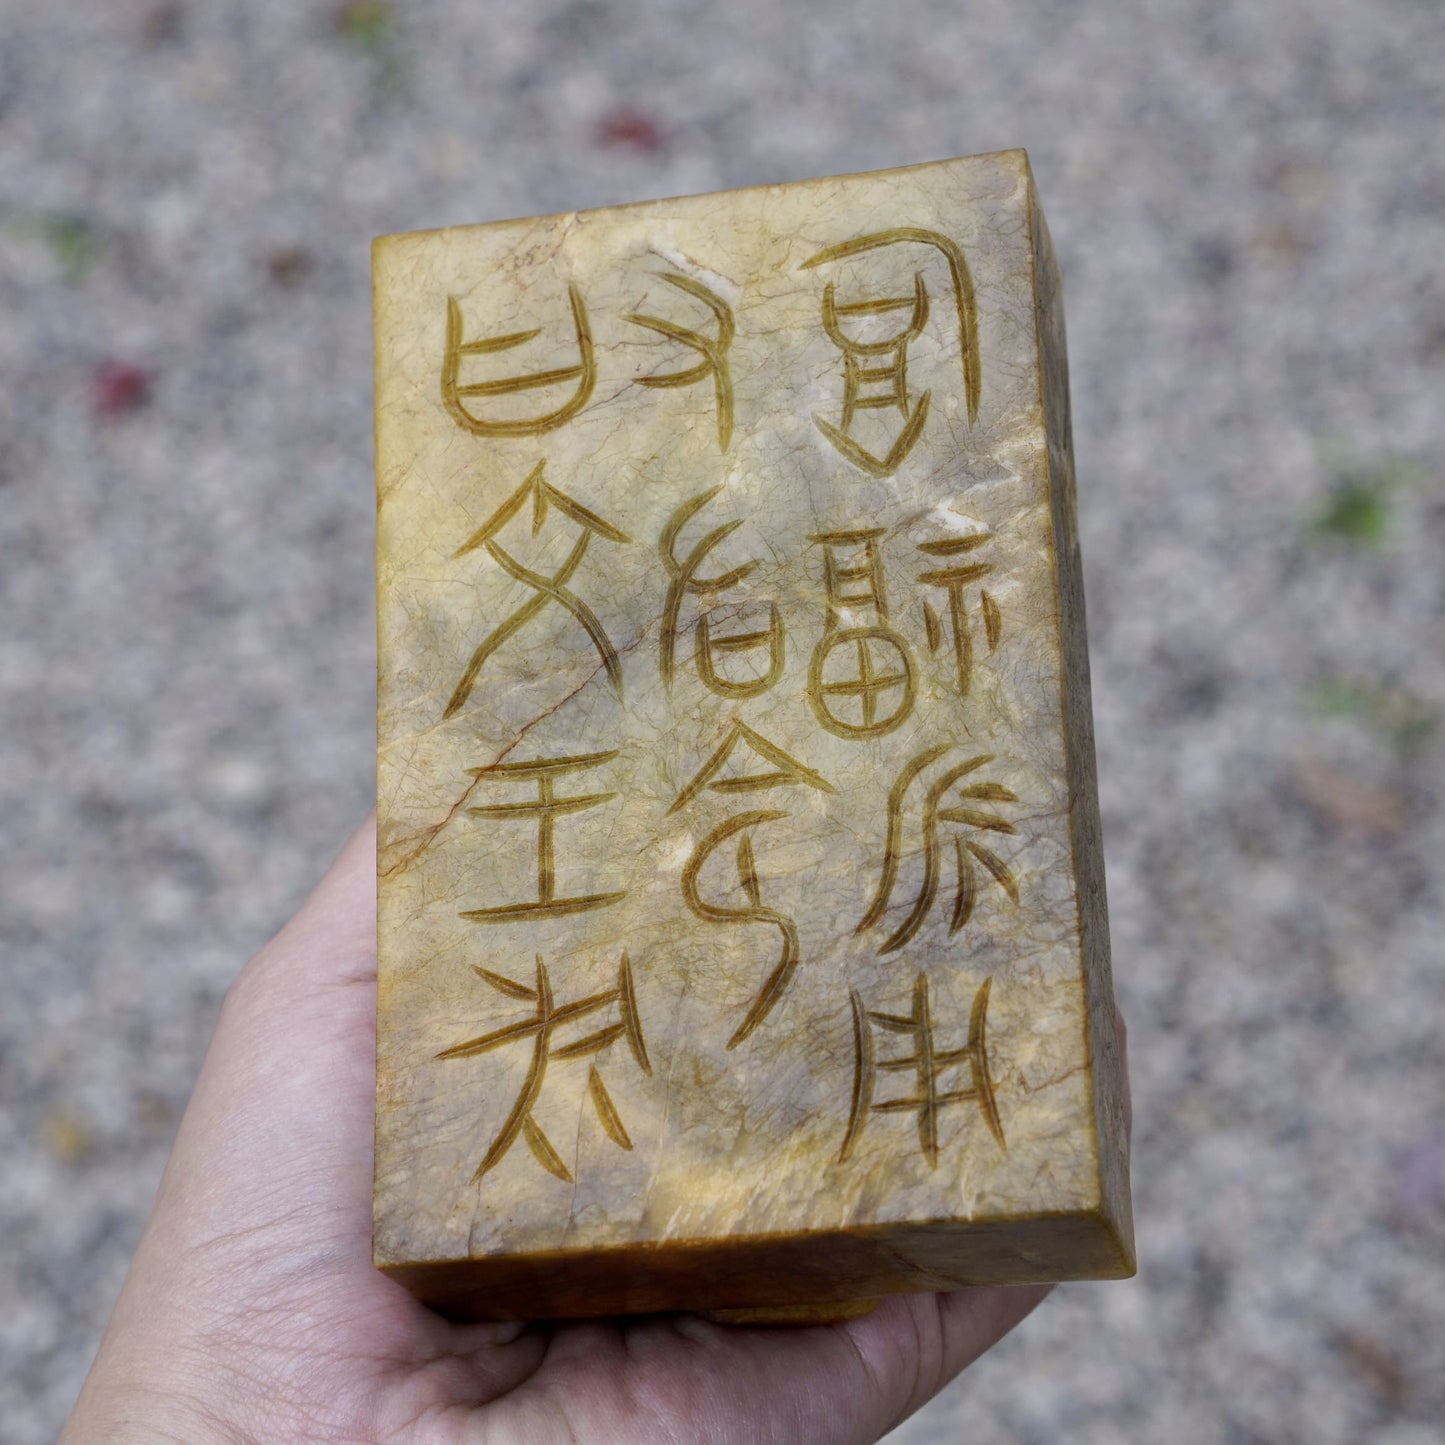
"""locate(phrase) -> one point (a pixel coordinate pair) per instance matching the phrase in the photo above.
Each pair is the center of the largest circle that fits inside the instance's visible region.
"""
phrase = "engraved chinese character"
(860, 680)
(546, 807)
(712, 350)
(455, 394)
(684, 580)
(782, 770)
(969, 814)
(955, 578)
(927, 1063)
(875, 367)
(546, 1018)
(549, 589)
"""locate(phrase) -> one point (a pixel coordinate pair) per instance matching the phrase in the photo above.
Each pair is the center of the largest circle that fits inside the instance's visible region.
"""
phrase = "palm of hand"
(253, 1312)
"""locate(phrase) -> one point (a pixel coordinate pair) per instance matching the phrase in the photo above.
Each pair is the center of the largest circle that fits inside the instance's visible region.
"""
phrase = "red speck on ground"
(118, 387)
(627, 129)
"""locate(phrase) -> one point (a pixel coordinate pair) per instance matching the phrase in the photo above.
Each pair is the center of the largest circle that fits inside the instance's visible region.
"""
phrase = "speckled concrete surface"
(1249, 204)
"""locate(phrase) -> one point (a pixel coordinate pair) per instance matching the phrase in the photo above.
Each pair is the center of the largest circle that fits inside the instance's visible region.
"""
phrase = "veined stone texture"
(740, 872)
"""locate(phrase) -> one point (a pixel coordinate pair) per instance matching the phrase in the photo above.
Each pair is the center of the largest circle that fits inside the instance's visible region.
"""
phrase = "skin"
(253, 1314)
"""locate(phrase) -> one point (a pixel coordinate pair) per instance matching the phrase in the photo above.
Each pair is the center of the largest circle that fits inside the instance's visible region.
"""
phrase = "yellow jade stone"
(742, 930)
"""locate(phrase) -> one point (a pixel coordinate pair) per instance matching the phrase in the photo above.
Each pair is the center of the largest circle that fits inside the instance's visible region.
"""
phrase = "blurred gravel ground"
(1249, 204)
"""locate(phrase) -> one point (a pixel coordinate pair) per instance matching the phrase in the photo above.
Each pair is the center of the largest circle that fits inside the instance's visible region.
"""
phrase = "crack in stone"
(429, 835)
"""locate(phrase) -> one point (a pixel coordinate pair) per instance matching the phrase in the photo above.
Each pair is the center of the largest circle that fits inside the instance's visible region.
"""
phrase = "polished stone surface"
(742, 928)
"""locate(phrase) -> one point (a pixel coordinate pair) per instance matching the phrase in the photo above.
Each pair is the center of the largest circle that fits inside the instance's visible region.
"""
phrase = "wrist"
(142, 1390)
(133, 1416)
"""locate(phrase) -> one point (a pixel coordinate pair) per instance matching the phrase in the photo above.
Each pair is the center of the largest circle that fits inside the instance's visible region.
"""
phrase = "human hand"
(253, 1313)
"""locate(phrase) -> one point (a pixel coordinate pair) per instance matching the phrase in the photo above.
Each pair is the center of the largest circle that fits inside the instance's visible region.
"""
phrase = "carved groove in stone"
(933, 814)
(868, 683)
(713, 350)
(540, 1028)
(896, 797)
(708, 645)
(777, 981)
(542, 496)
(992, 622)
(954, 580)
(963, 302)
(926, 1063)
(454, 394)
(892, 376)
(787, 770)
(546, 807)
(684, 579)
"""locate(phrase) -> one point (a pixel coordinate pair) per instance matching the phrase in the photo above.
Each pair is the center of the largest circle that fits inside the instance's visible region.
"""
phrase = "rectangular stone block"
(742, 927)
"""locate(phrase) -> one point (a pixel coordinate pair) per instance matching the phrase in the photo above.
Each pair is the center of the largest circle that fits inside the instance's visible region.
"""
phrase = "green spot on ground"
(72, 240)
(366, 24)
(1401, 716)
(1359, 505)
